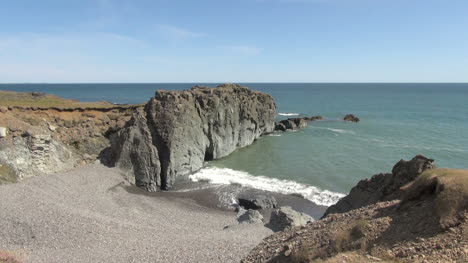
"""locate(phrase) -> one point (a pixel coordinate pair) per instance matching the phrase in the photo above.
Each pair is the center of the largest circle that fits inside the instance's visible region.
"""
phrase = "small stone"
(373, 258)
(52, 127)
(3, 109)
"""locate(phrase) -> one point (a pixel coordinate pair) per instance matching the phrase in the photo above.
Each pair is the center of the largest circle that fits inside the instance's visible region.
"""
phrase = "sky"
(149, 41)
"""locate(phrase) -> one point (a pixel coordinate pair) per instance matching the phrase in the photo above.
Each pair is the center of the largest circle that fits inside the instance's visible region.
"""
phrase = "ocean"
(325, 160)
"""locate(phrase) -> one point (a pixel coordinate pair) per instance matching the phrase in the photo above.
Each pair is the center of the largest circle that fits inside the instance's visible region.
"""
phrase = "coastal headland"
(87, 182)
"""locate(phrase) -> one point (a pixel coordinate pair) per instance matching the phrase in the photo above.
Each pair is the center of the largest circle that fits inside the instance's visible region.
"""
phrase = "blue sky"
(234, 41)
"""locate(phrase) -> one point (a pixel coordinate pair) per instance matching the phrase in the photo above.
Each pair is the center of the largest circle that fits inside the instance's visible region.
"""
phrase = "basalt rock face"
(179, 130)
(382, 187)
(135, 152)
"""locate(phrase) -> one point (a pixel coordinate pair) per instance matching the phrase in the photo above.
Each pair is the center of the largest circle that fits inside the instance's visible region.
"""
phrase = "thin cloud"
(177, 32)
(245, 49)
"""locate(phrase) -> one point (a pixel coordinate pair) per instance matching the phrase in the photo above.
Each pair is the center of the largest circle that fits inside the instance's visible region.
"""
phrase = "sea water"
(323, 161)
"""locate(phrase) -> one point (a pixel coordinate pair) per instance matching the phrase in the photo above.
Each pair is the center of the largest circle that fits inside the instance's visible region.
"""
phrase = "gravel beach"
(92, 215)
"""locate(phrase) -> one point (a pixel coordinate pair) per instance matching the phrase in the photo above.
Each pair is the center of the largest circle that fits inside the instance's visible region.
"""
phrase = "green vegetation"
(32, 121)
(7, 175)
(41, 100)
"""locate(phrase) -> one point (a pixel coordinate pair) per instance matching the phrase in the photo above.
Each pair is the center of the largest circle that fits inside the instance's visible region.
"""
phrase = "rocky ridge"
(179, 130)
(424, 220)
(382, 187)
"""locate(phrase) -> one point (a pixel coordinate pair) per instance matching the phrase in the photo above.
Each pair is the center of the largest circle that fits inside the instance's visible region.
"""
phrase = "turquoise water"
(397, 121)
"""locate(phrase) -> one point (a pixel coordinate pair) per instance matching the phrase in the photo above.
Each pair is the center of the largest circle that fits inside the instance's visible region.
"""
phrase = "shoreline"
(92, 212)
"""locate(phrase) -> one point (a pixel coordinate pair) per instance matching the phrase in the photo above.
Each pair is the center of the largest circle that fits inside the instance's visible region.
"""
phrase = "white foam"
(288, 114)
(225, 176)
(342, 131)
(274, 134)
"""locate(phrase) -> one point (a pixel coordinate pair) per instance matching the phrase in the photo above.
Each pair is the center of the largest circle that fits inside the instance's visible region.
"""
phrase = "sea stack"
(179, 130)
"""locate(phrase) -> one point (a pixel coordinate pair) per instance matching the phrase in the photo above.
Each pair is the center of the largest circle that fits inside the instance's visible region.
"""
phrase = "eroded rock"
(190, 127)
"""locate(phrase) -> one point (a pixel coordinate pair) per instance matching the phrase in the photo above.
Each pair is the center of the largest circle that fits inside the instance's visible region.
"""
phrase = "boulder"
(285, 217)
(179, 130)
(258, 202)
(3, 109)
(351, 118)
(249, 216)
(382, 187)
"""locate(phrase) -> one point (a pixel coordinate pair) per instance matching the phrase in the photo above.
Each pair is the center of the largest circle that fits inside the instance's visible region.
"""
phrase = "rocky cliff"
(382, 187)
(44, 134)
(417, 213)
(179, 130)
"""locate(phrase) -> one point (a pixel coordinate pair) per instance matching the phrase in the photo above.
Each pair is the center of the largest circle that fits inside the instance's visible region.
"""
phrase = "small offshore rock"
(314, 118)
(351, 118)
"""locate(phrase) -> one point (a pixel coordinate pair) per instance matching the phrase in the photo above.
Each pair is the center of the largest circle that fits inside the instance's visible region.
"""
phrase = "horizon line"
(223, 82)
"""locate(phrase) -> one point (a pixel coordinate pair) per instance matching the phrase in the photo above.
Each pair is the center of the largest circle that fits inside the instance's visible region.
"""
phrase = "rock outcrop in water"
(295, 123)
(179, 130)
(351, 118)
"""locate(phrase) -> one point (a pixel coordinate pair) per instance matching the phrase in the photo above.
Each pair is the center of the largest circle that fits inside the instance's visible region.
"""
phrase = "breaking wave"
(288, 114)
(225, 176)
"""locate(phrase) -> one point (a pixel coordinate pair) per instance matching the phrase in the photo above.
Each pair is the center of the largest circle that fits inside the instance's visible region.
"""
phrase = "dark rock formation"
(382, 187)
(314, 118)
(288, 124)
(300, 122)
(280, 127)
(179, 130)
(295, 123)
(285, 217)
(258, 202)
(351, 118)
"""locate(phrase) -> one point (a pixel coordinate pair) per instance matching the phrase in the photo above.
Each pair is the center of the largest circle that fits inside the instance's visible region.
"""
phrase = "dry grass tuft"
(7, 175)
(449, 188)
